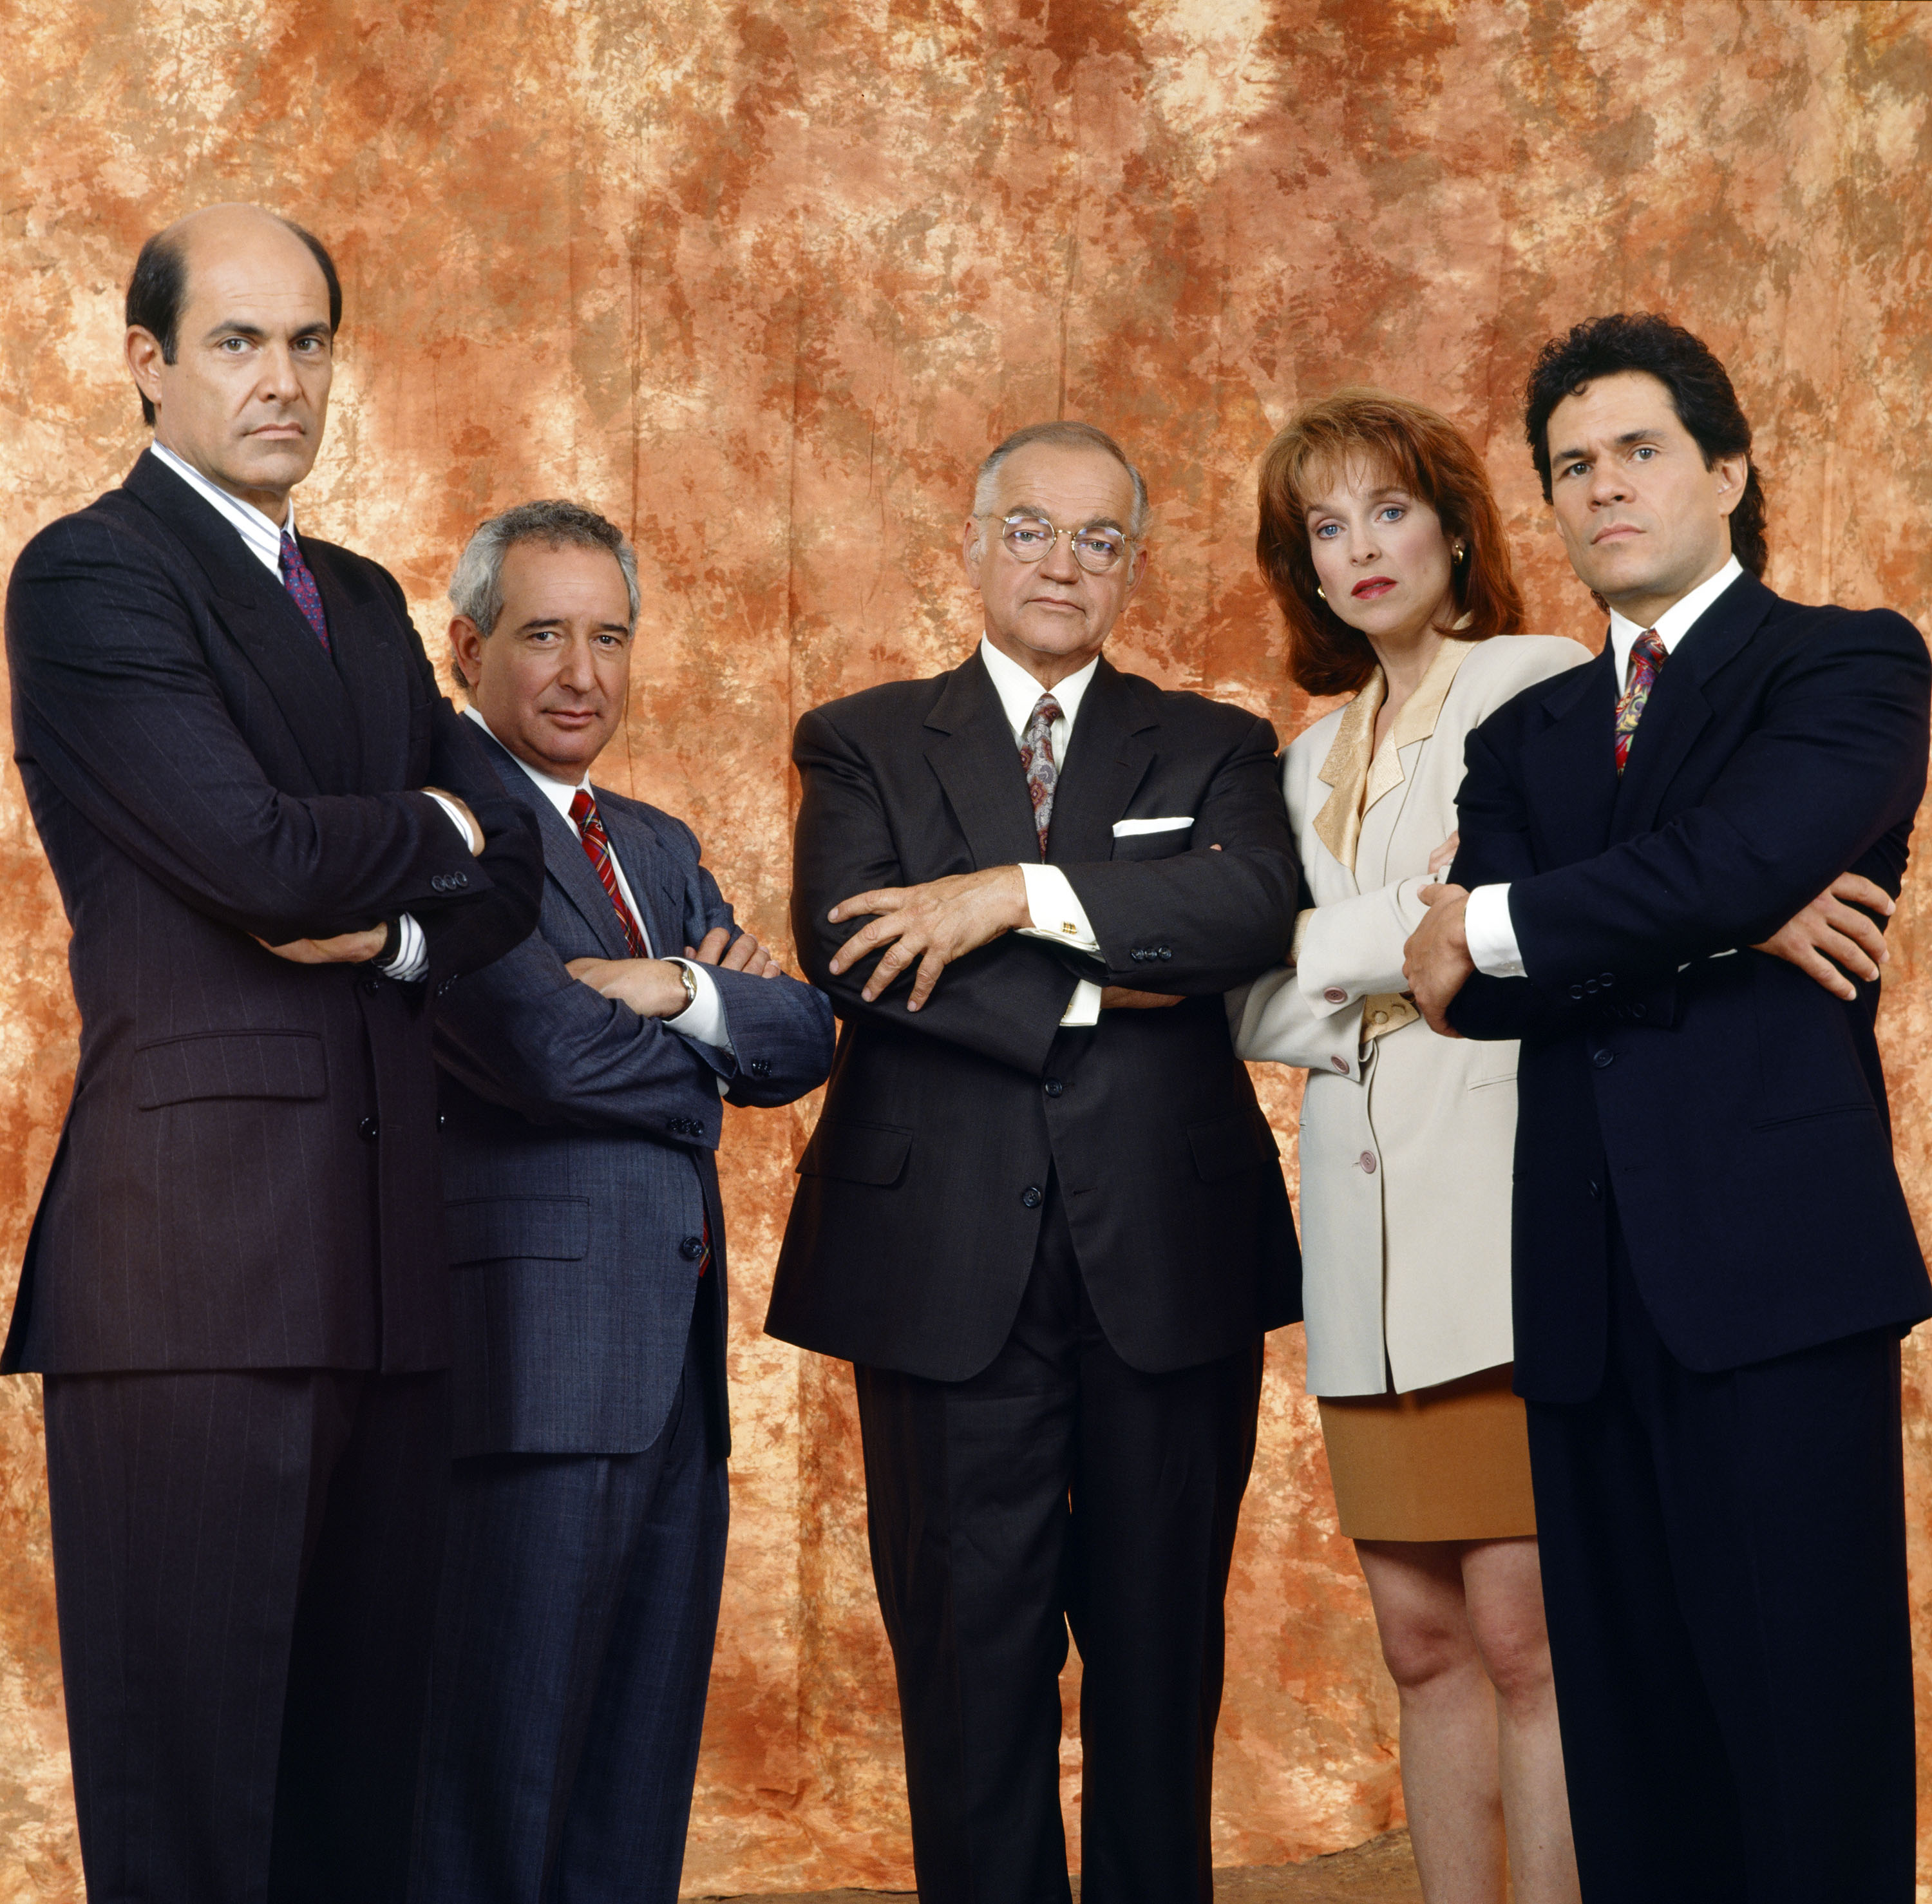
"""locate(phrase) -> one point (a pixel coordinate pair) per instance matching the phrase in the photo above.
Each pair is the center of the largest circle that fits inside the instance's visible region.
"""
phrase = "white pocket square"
(1170, 823)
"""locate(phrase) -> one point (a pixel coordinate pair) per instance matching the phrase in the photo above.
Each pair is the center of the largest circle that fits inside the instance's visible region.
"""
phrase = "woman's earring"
(1322, 592)
(1461, 550)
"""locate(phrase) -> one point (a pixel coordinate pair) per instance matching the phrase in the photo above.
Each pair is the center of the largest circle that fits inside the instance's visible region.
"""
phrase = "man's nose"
(1059, 562)
(577, 669)
(279, 381)
(1607, 485)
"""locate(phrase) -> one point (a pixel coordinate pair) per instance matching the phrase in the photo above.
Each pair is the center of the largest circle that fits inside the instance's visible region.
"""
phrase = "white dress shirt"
(1486, 921)
(1056, 913)
(262, 539)
(703, 1019)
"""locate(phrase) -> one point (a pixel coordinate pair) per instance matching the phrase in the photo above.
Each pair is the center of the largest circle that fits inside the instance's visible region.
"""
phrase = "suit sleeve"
(1836, 759)
(113, 702)
(1214, 919)
(1004, 1000)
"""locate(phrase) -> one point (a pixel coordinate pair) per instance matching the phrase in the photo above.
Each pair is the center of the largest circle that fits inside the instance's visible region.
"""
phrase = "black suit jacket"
(580, 1150)
(1735, 1110)
(913, 1230)
(247, 1176)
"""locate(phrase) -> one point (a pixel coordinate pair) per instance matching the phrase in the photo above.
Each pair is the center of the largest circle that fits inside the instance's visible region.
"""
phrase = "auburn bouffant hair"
(1425, 454)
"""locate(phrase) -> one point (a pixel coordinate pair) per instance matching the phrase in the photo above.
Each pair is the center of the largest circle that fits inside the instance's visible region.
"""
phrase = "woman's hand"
(1444, 857)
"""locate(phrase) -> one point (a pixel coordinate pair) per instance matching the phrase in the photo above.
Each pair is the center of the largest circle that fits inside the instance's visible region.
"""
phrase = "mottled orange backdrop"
(763, 281)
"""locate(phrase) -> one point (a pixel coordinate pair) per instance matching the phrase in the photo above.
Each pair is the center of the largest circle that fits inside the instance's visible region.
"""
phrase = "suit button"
(1608, 979)
(1335, 995)
(1576, 991)
(1596, 1191)
(368, 1130)
(1341, 1064)
(441, 1122)
(1031, 1196)
(759, 1067)
(1590, 988)
(1636, 1009)
(1368, 1161)
(372, 985)
(1166, 952)
(1602, 1060)
(691, 1249)
(1138, 954)
(1052, 1087)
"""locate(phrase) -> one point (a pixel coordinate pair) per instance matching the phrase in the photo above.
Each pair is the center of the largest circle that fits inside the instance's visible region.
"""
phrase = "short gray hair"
(1066, 436)
(476, 589)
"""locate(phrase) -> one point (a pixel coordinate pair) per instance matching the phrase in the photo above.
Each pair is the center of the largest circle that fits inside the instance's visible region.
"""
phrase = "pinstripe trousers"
(245, 1566)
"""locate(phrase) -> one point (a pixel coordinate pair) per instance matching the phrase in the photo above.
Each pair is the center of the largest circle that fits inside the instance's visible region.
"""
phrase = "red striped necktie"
(597, 849)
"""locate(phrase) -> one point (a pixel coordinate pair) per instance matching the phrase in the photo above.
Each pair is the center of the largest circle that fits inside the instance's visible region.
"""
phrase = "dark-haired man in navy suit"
(582, 1077)
(1714, 1260)
(235, 1285)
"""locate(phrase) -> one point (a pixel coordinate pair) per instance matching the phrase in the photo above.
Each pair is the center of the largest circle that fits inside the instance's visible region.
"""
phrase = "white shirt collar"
(260, 536)
(558, 793)
(1676, 622)
(1019, 694)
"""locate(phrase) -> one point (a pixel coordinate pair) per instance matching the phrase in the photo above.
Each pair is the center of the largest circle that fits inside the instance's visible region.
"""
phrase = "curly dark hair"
(1428, 455)
(1700, 393)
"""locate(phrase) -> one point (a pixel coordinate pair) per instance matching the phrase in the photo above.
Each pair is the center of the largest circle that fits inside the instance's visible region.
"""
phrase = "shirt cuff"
(1485, 923)
(456, 819)
(703, 1019)
(410, 960)
(1084, 1007)
(1056, 910)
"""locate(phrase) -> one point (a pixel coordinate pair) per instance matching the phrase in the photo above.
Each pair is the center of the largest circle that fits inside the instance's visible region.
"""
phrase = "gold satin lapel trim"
(1417, 721)
(1339, 825)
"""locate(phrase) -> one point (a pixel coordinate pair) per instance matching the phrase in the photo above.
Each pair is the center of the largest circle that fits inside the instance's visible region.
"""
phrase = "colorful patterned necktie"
(589, 824)
(1646, 658)
(301, 584)
(1036, 757)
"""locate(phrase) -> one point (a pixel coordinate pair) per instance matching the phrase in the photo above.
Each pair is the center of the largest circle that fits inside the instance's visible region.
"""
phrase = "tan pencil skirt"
(1446, 1463)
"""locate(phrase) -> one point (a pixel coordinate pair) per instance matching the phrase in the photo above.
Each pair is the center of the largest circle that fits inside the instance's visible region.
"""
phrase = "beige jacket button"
(1369, 1161)
(1335, 995)
(1341, 1064)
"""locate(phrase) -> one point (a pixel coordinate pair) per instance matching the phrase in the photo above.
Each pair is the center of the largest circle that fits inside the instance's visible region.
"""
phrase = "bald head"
(231, 316)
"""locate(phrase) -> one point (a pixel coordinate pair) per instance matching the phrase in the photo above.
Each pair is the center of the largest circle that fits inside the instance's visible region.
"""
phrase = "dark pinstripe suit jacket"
(578, 1154)
(246, 1178)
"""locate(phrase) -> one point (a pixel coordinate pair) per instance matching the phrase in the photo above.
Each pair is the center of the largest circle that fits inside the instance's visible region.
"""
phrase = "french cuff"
(1056, 913)
(1485, 923)
(471, 841)
(410, 960)
(1084, 1007)
(703, 1019)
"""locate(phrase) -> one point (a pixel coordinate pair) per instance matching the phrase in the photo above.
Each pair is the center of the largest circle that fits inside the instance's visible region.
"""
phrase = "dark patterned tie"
(1647, 656)
(589, 824)
(1036, 757)
(301, 584)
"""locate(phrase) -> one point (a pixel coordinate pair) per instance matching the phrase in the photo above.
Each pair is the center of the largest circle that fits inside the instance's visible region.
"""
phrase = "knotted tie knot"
(1647, 656)
(1042, 774)
(589, 824)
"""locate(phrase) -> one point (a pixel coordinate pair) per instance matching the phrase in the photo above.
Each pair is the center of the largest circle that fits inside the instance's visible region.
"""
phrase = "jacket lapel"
(265, 624)
(972, 752)
(1678, 710)
(653, 875)
(1107, 757)
(1570, 767)
(373, 661)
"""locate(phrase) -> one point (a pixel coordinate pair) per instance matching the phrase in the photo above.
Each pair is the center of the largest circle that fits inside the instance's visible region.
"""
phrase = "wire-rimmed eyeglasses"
(1028, 536)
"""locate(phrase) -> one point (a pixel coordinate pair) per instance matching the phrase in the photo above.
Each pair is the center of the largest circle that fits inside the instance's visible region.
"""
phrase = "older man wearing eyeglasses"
(1041, 1213)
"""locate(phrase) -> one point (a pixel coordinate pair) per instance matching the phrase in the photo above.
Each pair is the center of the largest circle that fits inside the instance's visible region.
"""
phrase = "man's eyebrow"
(1650, 433)
(1046, 516)
(235, 327)
(557, 621)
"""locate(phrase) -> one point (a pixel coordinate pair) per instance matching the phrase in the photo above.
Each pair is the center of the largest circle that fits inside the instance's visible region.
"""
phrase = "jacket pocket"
(1169, 843)
(858, 1153)
(494, 1229)
(230, 1064)
(1225, 1146)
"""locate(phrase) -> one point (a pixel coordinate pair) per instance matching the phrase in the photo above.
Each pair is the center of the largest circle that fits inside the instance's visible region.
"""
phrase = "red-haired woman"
(1381, 542)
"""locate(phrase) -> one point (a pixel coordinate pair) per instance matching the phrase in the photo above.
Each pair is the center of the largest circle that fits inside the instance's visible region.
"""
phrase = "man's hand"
(1124, 998)
(1436, 961)
(1828, 929)
(652, 988)
(476, 842)
(934, 923)
(743, 954)
(344, 949)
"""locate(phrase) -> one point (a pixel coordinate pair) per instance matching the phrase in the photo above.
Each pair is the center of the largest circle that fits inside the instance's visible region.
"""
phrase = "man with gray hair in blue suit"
(580, 1098)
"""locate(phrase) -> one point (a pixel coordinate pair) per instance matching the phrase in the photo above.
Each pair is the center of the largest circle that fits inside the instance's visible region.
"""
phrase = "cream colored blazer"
(1407, 1139)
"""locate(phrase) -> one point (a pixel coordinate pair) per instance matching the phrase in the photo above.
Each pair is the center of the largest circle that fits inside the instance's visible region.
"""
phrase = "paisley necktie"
(300, 583)
(1036, 757)
(1646, 658)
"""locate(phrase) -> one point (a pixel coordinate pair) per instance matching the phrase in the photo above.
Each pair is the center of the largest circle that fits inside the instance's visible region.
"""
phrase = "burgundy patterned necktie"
(1647, 656)
(1036, 757)
(301, 584)
(589, 824)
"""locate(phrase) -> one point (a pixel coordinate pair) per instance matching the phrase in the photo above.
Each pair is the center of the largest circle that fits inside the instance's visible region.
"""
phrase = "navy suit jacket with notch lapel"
(913, 1230)
(579, 1150)
(246, 1176)
(1735, 1110)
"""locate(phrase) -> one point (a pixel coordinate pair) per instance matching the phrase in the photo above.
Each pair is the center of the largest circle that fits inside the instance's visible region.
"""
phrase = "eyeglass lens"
(1030, 536)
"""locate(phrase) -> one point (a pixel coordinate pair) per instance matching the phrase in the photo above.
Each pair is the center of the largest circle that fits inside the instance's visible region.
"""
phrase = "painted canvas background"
(763, 282)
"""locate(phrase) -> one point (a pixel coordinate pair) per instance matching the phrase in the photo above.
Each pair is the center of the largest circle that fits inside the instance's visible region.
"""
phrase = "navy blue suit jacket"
(579, 1147)
(1734, 1108)
(247, 1176)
